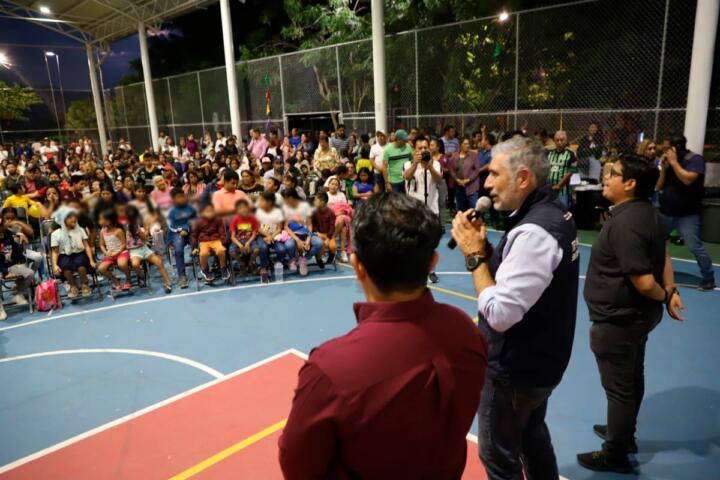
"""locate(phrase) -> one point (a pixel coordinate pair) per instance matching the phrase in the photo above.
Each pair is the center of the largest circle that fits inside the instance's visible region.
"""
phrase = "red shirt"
(208, 231)
(324, 222)
(244, 227)
(392, 399)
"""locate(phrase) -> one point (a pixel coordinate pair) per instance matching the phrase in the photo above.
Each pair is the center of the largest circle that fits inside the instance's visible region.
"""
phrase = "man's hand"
(556, 187)
(671, 156)
(417, 158)
(388, 187)
(675, 306)
(57, 271)
(470, 236)
(93, 264)
(23, 239)
(194, 252)
(307, 244)
(183, 233)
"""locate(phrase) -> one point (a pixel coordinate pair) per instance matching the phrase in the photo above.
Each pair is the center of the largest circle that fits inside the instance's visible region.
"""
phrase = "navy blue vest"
(536, 351)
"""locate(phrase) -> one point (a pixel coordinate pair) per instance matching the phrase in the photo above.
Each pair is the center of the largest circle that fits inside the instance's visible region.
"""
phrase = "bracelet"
(669, 295)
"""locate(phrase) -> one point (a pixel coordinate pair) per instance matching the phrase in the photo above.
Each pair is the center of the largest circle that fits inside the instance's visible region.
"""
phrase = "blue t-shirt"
(179, 218)
(678, 199)
(363, 188)
(485, 157)
(295, 141)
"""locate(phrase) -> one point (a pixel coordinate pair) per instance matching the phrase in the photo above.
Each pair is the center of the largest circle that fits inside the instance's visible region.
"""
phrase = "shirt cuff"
(484, 300)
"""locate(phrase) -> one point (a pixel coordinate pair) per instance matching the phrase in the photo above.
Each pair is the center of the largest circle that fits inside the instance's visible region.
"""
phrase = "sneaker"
(86, 292)
(601, 431)
(331, 258)
(168, 288)
(604, 462)
(3, 315)
(73, 292)
(293, 266)
(183, 282)
(20, 299)
(141, 282)
(264, 275)
(433, 277)
(303, 266)
(225, 273)
(344, 257)
(707, 285)
(126, 286)
(117, 287)
(206, 275)
(319, 261)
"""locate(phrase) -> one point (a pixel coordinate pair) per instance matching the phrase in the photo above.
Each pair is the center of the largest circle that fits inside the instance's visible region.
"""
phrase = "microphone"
(481, 206)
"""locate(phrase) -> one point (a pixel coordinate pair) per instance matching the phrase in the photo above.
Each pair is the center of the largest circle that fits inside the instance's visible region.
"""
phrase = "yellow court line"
(220, 456)
(433, 287)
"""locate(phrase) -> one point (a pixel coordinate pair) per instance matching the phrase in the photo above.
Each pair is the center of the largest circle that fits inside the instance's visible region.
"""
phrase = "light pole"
(52, 91)
(62, 91)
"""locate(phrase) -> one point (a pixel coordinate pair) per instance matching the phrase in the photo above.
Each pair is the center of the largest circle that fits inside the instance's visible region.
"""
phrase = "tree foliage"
(81, 115)
(16, 101)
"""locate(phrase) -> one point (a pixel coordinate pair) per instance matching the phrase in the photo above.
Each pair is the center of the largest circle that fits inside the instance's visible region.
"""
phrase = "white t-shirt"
(416, 186)
(75, 245)
(338, 197)
(299, 214)
(269, 220)
(44, 150)
(376, 156)
(220, 142)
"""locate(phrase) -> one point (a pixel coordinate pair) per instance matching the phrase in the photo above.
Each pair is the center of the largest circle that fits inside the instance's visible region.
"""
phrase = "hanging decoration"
(268, 97)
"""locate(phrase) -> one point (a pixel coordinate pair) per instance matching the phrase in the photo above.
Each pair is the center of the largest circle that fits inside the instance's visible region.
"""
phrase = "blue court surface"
(81, 367)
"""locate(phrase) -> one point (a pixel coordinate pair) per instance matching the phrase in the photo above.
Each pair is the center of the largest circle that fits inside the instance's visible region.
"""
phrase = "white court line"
(167, 356)
(172, 297)
(131, 416)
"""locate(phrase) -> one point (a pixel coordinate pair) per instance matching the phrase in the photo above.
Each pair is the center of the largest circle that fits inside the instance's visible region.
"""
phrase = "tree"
(15, 101)
(81, 116)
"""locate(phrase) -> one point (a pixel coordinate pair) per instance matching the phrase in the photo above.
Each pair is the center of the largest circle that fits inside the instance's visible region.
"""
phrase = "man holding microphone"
(527, 299)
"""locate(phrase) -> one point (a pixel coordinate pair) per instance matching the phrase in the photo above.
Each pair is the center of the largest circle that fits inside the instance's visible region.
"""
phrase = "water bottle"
(278, 272)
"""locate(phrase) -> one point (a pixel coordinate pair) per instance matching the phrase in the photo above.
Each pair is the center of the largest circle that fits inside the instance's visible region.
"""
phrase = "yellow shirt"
(17, 201)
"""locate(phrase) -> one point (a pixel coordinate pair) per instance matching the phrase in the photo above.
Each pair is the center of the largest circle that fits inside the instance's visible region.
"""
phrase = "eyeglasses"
(613, 173)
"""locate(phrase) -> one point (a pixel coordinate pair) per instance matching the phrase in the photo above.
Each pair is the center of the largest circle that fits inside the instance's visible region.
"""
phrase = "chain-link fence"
(621, 65)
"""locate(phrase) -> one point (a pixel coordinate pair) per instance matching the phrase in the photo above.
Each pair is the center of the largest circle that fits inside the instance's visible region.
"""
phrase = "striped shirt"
(339, 143)
(561, 163)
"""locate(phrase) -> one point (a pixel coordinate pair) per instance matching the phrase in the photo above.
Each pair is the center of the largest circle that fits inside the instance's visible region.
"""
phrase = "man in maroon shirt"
(395, 397)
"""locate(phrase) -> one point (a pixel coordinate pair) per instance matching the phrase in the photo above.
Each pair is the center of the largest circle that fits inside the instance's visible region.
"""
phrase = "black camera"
(425, 157)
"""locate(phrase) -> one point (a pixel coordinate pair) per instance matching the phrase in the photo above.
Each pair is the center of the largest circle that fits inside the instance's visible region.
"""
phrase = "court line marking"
(172, 297)
(143, 411)
(231, 450)
(167, 356)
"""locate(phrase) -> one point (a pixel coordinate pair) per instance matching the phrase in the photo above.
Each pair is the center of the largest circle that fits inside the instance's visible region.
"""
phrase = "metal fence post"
(517, 66)
(339, 84)
(417, 83)
(660, 73)
(282, 95)
(202, 113)
(172, 114)
(127, 128)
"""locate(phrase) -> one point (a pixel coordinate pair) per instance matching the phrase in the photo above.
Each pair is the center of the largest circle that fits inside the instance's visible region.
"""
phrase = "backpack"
(47, 296)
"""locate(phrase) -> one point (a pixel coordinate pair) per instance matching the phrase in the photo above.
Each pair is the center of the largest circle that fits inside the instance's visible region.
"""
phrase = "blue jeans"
(179, 243)
(265, 252)
(398, 187)
(689, 228)
(463, 201)
(315, 245)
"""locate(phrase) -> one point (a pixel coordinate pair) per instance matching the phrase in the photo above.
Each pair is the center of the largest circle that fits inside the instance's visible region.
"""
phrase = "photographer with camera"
(423, 176)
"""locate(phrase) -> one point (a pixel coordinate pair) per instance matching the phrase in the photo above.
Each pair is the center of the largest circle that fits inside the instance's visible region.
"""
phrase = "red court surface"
(225, 429)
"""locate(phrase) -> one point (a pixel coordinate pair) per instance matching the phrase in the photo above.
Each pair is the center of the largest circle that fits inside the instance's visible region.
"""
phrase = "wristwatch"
(473, 261)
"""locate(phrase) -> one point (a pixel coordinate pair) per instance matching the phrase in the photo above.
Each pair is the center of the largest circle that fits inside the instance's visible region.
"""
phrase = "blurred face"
(364, 177)
(323, 143)
(243, 210)
(208, 213)
(288, 183)
(278, 165)
(351, 167)
(341, 131)
(560, 141)
(319, 203)
(303, 137)
(9, 217)
(465, 146)
(71, 221)
(651, 151)
(333, 186)
(95, 187)
(160, 184)
(593, 129)
(129, 183)
(231, 185)
(270, 185)
(180, 199)
(140, 193)
(294, 132)
(382, 139)
(247, 178)
(106, 196)
(421, 146)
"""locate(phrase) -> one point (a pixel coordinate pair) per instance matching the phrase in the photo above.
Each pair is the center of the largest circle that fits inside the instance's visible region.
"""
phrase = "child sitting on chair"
(179, 218)
(71, 252)
(271, 221)
(208, 237)
(243, 232)
(139, 251)
(323, 223)
(113, 245)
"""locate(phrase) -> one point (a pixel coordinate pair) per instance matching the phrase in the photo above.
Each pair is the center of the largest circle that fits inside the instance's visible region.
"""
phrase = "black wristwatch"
(473, 261)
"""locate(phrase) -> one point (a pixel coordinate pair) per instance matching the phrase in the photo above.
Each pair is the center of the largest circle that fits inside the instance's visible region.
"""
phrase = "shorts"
(143, 252)
(114, 260)
(73, 262)
(213, 246)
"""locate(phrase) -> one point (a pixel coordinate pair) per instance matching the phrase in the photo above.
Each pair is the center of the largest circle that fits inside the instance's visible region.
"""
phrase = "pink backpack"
(47, 296)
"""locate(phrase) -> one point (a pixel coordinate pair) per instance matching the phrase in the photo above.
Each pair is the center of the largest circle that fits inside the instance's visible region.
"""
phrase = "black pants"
(513, 433)
(619, 349)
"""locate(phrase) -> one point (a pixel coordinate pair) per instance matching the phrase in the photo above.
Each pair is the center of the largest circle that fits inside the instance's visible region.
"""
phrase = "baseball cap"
(401, 135)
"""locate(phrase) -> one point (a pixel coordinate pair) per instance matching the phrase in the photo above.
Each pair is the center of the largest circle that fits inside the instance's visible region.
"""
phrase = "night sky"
(28, 63)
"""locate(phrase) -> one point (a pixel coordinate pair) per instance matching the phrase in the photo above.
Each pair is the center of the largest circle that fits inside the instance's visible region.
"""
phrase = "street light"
(52, 91)
(5, 61)
(503, 16)
(62, 91)
(44, 9)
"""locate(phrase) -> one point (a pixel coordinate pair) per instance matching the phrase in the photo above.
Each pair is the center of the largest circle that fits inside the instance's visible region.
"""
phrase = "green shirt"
(396, 158)
(561, 163)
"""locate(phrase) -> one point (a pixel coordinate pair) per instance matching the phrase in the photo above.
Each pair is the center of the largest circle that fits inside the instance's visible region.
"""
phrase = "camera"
(425, 157)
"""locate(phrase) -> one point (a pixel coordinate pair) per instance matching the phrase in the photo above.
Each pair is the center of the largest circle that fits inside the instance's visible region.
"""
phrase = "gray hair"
(525, 152)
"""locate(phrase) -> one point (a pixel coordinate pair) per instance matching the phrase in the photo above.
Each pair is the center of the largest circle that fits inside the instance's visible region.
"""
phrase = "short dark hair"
(323, 197)
(268, 197)
(679, 142)
(342, 125)
(242, 201)
(643, 171)
(230, 175)
(292, 193)
(448, 128)
(394, 237)
(341, 169)
(275, 182)
(176, 191)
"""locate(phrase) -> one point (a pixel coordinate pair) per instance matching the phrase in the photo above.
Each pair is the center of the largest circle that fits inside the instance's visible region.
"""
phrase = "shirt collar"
(391, 311)
(615, 209)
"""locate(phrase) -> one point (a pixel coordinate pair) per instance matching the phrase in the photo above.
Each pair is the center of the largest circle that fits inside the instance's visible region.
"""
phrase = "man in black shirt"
(682, 183)
(629, 278)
